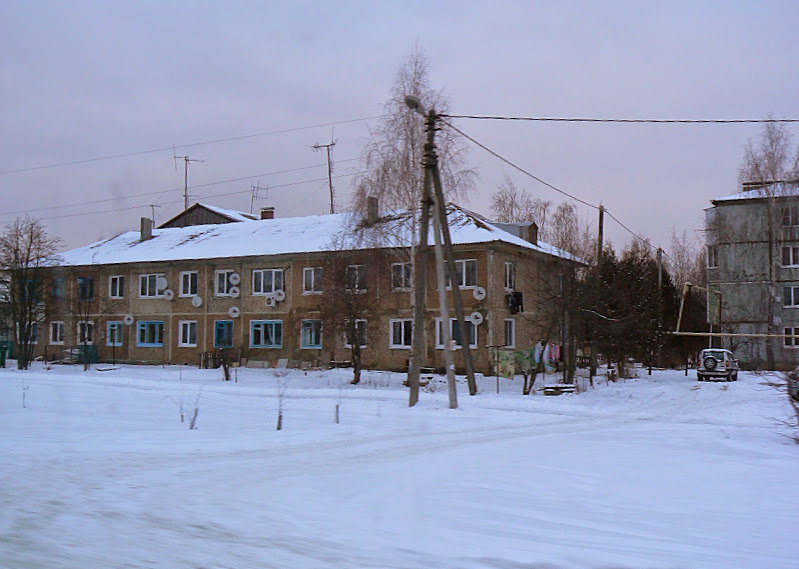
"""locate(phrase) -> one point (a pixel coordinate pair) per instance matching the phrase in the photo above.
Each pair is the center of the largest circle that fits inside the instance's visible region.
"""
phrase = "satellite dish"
(234, 291)
(161, 282)
(196, 302)
(270, 300)
(168, 294)
(280, 296)
(234, 311)
(476, 318)
(479, 293)
(128, 319)
(234, 278)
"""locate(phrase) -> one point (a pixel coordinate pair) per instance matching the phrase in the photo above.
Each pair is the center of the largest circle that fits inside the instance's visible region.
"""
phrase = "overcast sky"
(85, 80)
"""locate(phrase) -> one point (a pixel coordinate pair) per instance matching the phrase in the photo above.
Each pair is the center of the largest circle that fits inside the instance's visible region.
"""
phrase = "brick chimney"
(532, 233)
(146, 229)
(372, 211)
(268, 212)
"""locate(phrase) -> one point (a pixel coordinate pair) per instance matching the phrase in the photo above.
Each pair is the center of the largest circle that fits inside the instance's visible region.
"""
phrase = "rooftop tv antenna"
(186, 161)
(329, 146)
(255, 190)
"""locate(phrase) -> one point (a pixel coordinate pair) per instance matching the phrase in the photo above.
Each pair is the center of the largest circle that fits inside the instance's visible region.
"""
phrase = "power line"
(547, 184)
(92, 202)
(637, 121)
(175, 147)
(177, 201)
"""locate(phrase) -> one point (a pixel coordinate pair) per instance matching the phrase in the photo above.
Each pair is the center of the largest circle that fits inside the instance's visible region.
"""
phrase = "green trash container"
(87, 354)
(3, 350)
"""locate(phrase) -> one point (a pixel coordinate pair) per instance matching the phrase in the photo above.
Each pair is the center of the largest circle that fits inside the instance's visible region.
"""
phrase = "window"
(224, 282)
(790, 256)
(152, 285)
(187, 333)
(356, 277)
(223, 334)
(114, 334)
(510, 276)
(266, 334)
(116, 286)
(465, 273)
(790, 296)
(86, 332)
(29, 291)
(455, 334)
(356, 332)
(188, 283)
(791, 337)
(510, 333)
(790, 216)
(151, 334)
(712, 256)
(311, 334)
(85, 288)
(267, 281)
(401, 333)
(57, 289)
(311, 280)
(401, 276)
(57, 333)
(34, 333)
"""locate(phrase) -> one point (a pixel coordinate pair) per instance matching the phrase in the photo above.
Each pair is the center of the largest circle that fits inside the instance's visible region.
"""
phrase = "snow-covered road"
(660, 471)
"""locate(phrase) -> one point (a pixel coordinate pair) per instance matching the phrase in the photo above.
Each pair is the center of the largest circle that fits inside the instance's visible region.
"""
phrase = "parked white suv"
(717, 364)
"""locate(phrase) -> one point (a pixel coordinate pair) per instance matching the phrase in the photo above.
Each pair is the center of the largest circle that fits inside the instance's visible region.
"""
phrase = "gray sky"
(82, 80)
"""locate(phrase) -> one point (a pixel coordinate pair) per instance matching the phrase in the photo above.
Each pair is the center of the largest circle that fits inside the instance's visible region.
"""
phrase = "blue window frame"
(150, 334)
(266, 334)
(311, 334)
(223, 333)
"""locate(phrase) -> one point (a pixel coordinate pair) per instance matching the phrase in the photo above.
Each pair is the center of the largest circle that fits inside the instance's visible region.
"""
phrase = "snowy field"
(98, 471)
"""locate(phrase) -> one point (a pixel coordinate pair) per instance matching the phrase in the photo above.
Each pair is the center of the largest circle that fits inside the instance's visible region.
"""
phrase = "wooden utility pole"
(660, 303)
(599, 235)
(328, 147)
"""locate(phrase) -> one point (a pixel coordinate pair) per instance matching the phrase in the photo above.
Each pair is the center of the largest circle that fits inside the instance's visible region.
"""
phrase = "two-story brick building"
(173, 293)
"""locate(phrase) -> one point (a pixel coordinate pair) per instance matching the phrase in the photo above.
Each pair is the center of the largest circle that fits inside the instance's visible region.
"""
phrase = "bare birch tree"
(392, 157)
(26, 253)
(512, 204)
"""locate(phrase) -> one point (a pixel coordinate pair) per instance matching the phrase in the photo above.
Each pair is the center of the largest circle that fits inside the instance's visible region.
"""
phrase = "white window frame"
(273, 324)
(793, 256)
(790, 216)
(790, 296)
(151, 289)
(159, 325)
(510, 331)
(355, 274)
(269, 276)
(187, 283)
(791, 340)
(312, 276)
(219, 275)
(116, 286)
(304, 325)
(61, 328)
(712, 256)
(119, 326)
(452, 321)
(403, 273)
(87, 325)
(510, 276)
(184, 333)
(461, 273)
(361, 333)
(404, 324)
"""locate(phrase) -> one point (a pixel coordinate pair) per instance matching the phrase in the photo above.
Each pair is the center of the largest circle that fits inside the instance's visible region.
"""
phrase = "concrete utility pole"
(329, 146)
(445, 271)
(599, 236)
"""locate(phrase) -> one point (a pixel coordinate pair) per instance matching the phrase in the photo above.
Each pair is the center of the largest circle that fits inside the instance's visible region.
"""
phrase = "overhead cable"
(638, 121)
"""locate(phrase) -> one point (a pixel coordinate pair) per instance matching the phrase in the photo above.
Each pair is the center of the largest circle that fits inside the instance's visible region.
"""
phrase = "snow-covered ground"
(98, 471)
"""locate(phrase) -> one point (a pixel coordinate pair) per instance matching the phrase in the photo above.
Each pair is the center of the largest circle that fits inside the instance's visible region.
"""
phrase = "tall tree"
(512, 204)
(26, 252)
(392, 156)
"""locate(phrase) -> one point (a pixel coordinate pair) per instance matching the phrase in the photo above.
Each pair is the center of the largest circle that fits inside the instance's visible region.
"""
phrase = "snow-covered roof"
(772, 190)
(288, 236)
(230, 213)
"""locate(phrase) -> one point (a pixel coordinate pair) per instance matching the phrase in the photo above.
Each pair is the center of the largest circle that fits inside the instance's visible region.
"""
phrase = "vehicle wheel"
(710, 362)
(735, 376)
